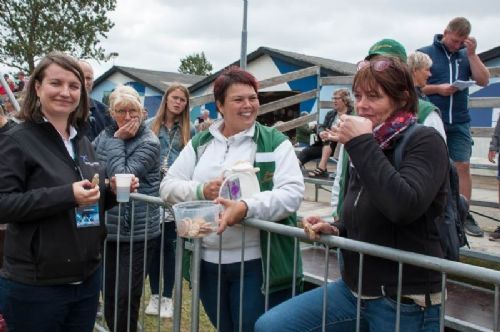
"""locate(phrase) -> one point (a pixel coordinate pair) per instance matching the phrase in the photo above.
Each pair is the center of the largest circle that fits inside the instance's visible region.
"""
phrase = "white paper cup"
(123, 187)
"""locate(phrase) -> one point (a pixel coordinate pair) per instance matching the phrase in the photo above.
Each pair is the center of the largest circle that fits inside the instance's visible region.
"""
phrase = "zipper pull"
(357, 197)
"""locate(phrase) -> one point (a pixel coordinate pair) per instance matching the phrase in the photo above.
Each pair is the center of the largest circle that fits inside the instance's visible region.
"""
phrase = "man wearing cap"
(98, 118)
(454, 57)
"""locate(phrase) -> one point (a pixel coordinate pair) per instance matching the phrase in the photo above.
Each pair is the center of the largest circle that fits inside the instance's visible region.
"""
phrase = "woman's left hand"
(349, 127)
(234, 212)
(134, 184)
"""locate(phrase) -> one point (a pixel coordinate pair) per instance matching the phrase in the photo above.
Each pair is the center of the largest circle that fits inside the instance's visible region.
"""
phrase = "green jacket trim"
(424, 109)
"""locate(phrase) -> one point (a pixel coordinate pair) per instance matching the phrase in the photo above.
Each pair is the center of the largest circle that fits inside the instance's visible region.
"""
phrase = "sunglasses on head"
(377, 65)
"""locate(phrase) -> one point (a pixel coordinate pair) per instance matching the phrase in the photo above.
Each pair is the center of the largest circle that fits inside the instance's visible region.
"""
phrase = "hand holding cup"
(349, 127)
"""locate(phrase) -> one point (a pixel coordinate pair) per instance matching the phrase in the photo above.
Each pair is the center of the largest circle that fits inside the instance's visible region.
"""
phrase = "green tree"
(29, 29)
(195, 64)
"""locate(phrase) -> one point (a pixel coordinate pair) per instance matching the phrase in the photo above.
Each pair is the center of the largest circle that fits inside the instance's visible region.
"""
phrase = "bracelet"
(246, 207)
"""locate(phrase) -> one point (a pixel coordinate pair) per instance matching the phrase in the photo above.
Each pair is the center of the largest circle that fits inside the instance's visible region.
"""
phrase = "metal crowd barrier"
(446, 267)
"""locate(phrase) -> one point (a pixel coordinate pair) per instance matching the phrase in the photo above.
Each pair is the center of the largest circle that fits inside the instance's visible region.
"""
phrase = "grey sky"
(156, 34)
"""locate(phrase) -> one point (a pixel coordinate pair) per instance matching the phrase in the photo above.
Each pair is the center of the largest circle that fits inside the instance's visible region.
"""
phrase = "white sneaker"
(166, 309)
(152, 308)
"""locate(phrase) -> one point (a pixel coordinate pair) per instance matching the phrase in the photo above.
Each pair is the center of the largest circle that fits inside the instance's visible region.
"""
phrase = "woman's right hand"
(85, 192)
(314, 226)
(349, 127)
(128, 130)
(211, 188)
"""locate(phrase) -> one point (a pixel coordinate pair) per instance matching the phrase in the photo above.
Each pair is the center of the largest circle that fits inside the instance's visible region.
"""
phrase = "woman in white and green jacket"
(197, 174)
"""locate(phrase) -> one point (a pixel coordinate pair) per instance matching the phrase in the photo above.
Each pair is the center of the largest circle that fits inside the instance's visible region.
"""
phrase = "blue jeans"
(304, 313)
(50, 308)
(168, 262)
(253, 299)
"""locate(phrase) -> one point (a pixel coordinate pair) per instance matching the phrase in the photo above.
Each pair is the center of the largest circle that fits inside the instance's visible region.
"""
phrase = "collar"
(72, 131)
(215, 130)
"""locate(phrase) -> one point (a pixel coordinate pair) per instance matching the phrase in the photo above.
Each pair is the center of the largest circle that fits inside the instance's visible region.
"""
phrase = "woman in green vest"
(197, 175)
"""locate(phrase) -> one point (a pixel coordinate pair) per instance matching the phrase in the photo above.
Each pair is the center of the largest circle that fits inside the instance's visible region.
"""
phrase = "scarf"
(397, 122)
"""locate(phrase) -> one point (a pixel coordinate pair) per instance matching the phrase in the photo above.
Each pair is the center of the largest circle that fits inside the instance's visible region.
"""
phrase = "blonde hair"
(125, 96)
(418, 60)
(161, 114)
(345, 94)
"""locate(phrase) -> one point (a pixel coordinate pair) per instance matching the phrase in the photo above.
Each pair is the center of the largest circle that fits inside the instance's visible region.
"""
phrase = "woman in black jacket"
(383, 205)
(52, 196)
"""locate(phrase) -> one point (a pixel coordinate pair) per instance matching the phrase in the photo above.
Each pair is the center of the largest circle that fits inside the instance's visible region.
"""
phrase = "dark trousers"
(169, 236)
(310, 153)
(2, 240)
(62, 308)
(123, 265)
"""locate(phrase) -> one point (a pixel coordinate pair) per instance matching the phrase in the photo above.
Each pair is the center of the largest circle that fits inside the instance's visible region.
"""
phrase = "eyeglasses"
(122, 112)
(336, 98)
(377, 65)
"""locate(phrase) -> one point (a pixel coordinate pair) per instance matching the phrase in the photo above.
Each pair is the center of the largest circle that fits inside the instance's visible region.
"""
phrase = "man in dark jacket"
(454, 58)
(99, 117)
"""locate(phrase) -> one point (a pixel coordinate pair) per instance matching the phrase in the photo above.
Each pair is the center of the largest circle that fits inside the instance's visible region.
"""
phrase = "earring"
(37, 104)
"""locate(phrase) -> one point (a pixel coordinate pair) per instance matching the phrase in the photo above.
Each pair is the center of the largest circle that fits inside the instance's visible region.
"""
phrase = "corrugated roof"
(490, 54)
(340, 67)
(158, 80)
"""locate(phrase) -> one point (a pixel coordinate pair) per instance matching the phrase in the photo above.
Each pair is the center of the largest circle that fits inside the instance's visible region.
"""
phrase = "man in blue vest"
(454, 58)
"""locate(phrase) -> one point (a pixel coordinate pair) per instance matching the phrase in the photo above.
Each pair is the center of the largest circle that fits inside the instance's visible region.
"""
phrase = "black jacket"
(395, 209)
(98, 119)
(43, 246)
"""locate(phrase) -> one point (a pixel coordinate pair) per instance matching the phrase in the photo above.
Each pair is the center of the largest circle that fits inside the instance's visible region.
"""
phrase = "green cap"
(388, 47)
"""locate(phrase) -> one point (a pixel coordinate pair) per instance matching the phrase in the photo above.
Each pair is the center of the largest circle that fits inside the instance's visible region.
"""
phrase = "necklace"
(171, 135)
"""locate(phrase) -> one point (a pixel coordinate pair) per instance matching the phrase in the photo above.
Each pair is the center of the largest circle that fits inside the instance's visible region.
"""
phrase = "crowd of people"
(62, 157)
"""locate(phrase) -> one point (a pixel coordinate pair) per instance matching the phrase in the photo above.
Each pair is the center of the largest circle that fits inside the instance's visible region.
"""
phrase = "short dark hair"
(229, 76)
(30, 111)
(395, 80)
(459, 25)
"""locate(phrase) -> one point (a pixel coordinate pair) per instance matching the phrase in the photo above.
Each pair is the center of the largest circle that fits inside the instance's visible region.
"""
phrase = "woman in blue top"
(172, 126)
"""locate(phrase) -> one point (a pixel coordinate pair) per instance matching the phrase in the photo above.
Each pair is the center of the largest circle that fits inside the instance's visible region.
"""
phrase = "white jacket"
(221, 153)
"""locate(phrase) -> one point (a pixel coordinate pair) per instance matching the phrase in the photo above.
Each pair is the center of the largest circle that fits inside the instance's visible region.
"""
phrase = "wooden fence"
(474, 102)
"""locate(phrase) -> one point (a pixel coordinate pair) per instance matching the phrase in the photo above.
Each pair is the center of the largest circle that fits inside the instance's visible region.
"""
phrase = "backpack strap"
(400, 147)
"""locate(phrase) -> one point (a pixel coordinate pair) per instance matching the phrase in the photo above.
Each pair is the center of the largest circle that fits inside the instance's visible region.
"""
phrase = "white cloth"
(434, 120)
(221, 153)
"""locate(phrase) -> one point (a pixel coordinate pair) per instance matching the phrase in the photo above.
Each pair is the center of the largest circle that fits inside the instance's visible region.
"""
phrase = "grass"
(153, 323)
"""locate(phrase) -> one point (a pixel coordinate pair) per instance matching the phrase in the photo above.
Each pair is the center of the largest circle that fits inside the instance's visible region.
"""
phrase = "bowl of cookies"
(196, 219)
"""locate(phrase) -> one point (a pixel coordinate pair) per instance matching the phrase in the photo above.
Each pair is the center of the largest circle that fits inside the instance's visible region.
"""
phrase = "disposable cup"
(123, 187)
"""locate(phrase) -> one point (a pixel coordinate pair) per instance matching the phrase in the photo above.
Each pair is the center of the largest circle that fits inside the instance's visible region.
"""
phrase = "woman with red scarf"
(383, 205)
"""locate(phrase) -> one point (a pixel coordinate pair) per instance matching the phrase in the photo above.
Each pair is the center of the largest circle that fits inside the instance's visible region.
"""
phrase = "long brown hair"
(32, 111)
(161, 114)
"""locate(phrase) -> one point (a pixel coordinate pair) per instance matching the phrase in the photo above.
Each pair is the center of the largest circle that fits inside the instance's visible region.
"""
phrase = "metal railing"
(445, 267)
